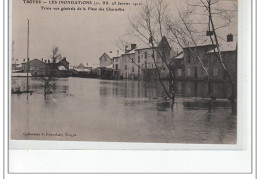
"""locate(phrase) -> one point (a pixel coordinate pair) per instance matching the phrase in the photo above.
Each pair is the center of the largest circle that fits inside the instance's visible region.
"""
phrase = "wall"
(105, 60)
(193, 68)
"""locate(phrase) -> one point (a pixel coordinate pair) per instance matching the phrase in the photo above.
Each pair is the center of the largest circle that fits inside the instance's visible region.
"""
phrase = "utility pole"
(28, 31)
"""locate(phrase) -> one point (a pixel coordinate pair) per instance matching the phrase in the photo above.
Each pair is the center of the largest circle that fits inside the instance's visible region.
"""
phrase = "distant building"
(81, 66)
(35, 67)
(58, 69)
(106, 69)
(46, 67)
(116, 67)
(106, 59)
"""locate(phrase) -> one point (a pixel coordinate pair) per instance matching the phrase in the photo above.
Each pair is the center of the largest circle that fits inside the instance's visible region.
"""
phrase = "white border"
(244, 97)
(136, 161)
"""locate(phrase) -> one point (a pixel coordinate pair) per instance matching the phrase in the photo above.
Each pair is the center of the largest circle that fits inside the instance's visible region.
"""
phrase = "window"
(188, 58)
(116, 66)
(179, 72)
(125, 67)
(145, 55)
(152, 65)
(188, 72)
(145, 64)
(138, 59)
(194, 60)
(132, 59)
(133, 69)
(138, 52)
(113, 66)
(215, 72)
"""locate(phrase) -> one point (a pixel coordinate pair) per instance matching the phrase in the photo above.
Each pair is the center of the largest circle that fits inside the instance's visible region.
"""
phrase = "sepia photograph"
(144, 71)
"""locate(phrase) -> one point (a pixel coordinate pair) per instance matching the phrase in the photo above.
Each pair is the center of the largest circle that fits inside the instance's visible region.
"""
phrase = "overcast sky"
(82, 36)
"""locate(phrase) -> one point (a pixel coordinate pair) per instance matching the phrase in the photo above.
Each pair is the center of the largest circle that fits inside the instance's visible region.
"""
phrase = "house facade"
(105, 60)
(126, 65)
(193, 68)
(178, 66)
(229, 57)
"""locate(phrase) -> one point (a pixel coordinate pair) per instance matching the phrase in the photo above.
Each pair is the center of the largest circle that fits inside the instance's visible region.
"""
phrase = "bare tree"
(188, 30)
(148, 26)
(208, 6)
(50, 71)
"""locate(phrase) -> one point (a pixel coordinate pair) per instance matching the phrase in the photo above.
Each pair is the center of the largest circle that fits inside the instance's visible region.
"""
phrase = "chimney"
(64, 58)
(133, 46)
(42, 59)
(45, 61)
(230, 37)
(23, 60)
(48, 61)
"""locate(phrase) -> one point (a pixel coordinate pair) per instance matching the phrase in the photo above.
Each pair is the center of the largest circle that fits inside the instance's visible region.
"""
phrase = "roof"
(164, 42)
(34, 60)
(113, 54)
(179, 56)
(226, 47)
(205, 41)
(143, 47)
(82, 70)
(80, 65)
(110, 66)
(130, 52)
(21, 74)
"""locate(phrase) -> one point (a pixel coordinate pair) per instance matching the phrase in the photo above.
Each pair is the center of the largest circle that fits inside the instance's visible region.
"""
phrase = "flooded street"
(121, 111)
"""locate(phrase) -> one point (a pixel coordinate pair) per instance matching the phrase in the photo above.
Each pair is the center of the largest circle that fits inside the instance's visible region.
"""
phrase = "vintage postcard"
(143, 71)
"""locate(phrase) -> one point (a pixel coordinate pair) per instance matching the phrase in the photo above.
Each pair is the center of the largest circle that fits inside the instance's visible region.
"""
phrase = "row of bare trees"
(185, 29)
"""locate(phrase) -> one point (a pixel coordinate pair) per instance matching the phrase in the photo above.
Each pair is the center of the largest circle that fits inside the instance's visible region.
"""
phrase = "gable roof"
(80, 65)
(164, 42)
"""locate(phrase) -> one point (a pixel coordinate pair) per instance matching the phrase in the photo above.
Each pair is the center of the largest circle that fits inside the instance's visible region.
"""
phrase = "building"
(229, 57)
(81, 66)
(17, 65)
(148, 60)
(163, 57)
(106, 66)
(193, 68)
(106, 59)
(127, 69)
(145, 62)
(57, 69)
(46, 68)
(178, 66)
(35, 67)
(116, 65)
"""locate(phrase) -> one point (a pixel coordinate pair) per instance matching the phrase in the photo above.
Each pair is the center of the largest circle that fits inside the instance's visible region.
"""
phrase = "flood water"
(121, 111)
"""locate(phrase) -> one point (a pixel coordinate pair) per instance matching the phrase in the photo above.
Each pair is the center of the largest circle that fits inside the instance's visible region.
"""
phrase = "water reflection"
(134, 111)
